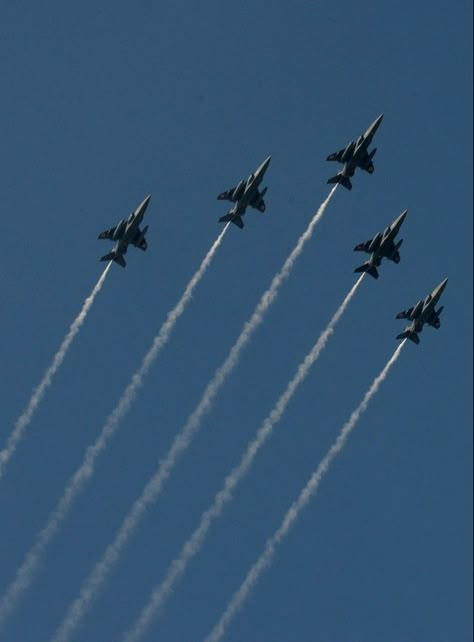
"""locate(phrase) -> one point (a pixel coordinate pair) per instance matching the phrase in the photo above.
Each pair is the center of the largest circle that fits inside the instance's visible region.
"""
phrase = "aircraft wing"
(407, 314)
(390, 251)
(363, 247)
(142, 245)
(434, 320)
(227, 195)
(366, 163)
(336, 156)
(258, 203)
(108, 234)
(139, 240)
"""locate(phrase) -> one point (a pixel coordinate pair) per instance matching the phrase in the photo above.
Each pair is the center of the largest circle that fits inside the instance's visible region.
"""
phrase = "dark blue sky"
(103, 104)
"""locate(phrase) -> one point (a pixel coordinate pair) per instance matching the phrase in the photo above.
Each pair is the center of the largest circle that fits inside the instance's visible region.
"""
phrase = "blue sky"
(104, 104)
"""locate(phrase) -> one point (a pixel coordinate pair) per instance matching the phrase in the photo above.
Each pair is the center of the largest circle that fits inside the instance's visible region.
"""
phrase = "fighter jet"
(245, 194)
(355, 155)
(125, 232)
(381, 246)
(421, 313)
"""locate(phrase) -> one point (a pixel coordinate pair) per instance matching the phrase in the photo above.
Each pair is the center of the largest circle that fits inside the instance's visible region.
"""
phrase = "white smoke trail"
(178, 566)
(150, 493)
(25, 572)
(291, 516)
(24, 420)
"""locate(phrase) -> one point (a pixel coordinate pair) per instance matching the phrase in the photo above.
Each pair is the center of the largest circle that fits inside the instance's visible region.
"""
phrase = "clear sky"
(104, 103)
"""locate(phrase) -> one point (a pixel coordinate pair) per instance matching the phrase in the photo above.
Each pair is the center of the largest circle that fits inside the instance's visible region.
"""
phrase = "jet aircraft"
(125, 232)
(355, 155)
(245, 194)
(381, 246)
(422, 312)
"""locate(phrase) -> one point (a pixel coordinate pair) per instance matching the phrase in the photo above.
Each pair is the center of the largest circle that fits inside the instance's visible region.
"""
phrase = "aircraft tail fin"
(342, 179)
(237, 220)
(369, 268)
(113, 256)
(409, 334)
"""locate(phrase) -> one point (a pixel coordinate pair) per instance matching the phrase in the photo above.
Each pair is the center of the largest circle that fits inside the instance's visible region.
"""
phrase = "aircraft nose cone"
(442, 285)
(401, 218)
(264, 166)
(378, 121)
(375, 125)
(143, 205)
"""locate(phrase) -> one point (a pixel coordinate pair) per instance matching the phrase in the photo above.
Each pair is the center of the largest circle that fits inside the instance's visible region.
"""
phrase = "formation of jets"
(247, 194)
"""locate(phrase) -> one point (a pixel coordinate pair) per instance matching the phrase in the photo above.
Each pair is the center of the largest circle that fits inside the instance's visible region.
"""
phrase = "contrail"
(152, 489)
(177, 568)
(24, 420)
(291, 516)
(25, 572)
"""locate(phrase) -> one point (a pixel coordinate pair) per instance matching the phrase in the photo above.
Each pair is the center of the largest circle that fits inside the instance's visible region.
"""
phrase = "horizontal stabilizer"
(343, 180)
(113, 256)
(237, 220)
(369, 268)
(409, 334)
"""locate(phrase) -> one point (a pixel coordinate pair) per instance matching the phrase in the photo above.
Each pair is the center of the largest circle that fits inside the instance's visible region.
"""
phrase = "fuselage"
(359, 150)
